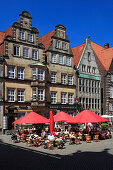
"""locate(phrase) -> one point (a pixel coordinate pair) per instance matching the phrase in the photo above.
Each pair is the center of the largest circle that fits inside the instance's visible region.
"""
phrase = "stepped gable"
(46, 39)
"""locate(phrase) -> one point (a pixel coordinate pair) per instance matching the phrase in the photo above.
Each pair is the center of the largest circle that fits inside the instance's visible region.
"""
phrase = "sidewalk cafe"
(81, 128)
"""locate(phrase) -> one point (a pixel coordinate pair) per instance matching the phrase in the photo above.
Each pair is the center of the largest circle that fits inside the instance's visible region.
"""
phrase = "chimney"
(106, 45)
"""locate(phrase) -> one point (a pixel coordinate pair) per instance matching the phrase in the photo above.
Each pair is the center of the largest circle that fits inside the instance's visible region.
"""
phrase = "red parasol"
(31, 118)
(62, 116)
(87, 116)
(51, 122)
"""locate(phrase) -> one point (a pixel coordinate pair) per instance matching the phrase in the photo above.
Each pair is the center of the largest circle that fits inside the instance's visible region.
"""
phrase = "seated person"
(71, 137)
(51, 137)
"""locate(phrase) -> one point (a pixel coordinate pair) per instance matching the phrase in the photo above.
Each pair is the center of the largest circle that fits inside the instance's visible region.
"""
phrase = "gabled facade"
(88, 77)
(61, 75)
(105, 62)
(24, 70)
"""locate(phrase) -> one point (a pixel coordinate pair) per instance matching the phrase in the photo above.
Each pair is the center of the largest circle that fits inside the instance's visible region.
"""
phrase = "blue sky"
(81, 18)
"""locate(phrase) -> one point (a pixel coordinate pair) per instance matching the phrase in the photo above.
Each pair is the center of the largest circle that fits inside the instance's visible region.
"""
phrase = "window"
(61, 59)
(93, 86)
(89, 56)
(94, 70)
(34, 93)
(53, 97)
(86, 103)
(40, 75)
(88, 69)
(35, 54)
(16, 51)
(11, 72)
(20, 73)
(63, 98)
(70, 79)
(63, 78)
(80, 85)
(83, 68)
(10, 95)
(26, 52)
(111, 92)
(34, 73)
(57, 44)
(40, 95)
(98, 103)
(68, 61)
(53, 58)
(21, 35)
(70, 98)
(92, 103)
(20, 95)
(95, 103)
(112, 78)
(64, 46)
(86, 86)
(30, 37)
(89, 103)
(53, 77)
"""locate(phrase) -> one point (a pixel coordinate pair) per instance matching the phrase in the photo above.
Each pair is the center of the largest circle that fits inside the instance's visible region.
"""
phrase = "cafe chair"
(59, 144)
(88, 138)
(96, 138)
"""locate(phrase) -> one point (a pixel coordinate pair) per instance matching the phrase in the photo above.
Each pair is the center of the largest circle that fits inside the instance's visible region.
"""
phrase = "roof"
(46, 39)
(2, 35)
(77, 53)
(103, 56)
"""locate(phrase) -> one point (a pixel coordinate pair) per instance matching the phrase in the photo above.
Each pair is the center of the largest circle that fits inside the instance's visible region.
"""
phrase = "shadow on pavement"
(17, 158)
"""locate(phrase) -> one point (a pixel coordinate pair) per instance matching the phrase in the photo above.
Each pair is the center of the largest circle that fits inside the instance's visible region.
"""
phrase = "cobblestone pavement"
(94, 155)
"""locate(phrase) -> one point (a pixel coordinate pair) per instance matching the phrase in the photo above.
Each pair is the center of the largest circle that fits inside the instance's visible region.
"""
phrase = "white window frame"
(70, 79)
(63, 98)
(53, 97)
(10, 95)
(63, 78)
(64, 46)
(34, 54)
(11, 73)
(111, 77)
(53, 58)
(30, 37)
(20, 95)
(68, 61)
(20, 73)
(40, 75)
(25, 52)
(61, 59)
(53, 77)
(34, 94)
(111, 92)
(21, 35)
(40, 95)
(70, 98)
(17, 50)
(58, 44)
(34, 73)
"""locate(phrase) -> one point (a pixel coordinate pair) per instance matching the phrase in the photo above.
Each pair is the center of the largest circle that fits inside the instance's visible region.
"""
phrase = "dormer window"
(21, 35)
(83, 68)
(30, 37)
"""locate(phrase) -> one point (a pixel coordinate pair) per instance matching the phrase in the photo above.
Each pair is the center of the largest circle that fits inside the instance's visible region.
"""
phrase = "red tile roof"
(8, 31)
(77, 52)
(2, 35)
(46, 39)
(103, 56)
